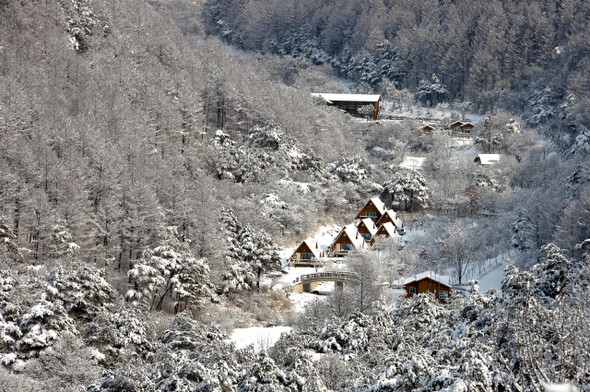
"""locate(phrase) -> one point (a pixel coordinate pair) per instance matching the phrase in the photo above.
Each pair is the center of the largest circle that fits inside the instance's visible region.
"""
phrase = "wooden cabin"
(374, 209)
(467, 127)
(367, 229)
(456, 127)
(351, 103)
(307, 254)
(427, 129)
(386, 230)
(391, 216)
(428, 282)
(347, 240)
(459, 128)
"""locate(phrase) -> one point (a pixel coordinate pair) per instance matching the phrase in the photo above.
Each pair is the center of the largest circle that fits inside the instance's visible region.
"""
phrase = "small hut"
(307, 254)
(391, 216)
(367, 229)
(374, 209)
(347, 240)
(428, 282)
(427, 129)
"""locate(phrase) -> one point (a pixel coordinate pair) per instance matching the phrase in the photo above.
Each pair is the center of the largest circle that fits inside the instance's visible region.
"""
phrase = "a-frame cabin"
(367, 229)
(307, 254)
(347, 240)
(386, 230)
(374, 209)
(391, 216)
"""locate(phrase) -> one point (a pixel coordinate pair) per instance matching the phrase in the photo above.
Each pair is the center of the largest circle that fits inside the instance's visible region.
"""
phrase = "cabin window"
(366, 236)
(346, 246)
(306, 256)
(443, 294)
(371, 214)
(412, 290)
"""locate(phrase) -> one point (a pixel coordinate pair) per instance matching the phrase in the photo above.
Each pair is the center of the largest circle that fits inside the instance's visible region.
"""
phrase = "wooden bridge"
(308, 282)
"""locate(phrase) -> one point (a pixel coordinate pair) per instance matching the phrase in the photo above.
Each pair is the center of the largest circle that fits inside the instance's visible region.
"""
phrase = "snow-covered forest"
(160, 160)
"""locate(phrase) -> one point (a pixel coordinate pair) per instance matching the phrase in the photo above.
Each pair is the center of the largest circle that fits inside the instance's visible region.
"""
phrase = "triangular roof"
(369, 224)
(442, 279)
(456, 122)
(465, 124)
(390, 216)
(353, 235)
(376, 201)
(428, 126)
(348, 97)
(313, 247)
(387, 229)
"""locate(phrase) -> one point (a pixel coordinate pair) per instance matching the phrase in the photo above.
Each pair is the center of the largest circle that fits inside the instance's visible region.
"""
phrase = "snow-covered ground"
(435, 113)
(493, 279)
(261, 338)
(415, 163)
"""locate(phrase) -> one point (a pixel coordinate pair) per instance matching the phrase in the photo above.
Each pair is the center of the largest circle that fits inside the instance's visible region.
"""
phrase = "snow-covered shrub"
(83, 291)
(119, 336)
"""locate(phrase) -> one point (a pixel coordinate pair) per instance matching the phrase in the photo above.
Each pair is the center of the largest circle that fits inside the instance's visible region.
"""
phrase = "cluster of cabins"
(458, 128)
(371, 224)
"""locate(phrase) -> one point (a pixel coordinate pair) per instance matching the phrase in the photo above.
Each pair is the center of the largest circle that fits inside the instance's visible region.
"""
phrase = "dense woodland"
(150, 173)
(530, 58)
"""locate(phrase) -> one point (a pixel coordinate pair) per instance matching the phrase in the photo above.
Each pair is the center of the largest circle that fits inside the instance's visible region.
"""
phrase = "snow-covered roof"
(348, 97)
(379, 204)
(446, 280)
(313, 246)
(457, 122)
(467, 123)
(389, 229)
(429, 126)
(369, 224)
(487, 159)
(352, 233)
(393, 216)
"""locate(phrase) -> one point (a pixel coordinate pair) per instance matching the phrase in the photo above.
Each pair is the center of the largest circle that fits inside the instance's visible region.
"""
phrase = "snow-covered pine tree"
(407, 189)
(82, 290)
(523, 233)
(169, 269)
(250, 254)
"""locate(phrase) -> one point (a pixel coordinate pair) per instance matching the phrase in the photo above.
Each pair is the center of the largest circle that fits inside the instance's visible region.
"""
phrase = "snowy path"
(493, 279)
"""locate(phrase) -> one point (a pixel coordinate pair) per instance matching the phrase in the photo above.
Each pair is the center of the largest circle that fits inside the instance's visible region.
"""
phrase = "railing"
(329, 276)
(292, 261)
(338, 252)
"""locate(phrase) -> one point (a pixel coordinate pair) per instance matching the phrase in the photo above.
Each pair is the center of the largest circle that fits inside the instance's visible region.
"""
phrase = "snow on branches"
(250, 254)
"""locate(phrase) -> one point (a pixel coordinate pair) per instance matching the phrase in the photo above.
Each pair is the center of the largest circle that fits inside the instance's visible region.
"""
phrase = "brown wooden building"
(467, 127)
(386, 230)
(374, 209)
(427, 129)
(367, 229)
(461, 128)
(352, 103)
(391, 216)
(307, 254)
(347, 240)
(428, 282)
